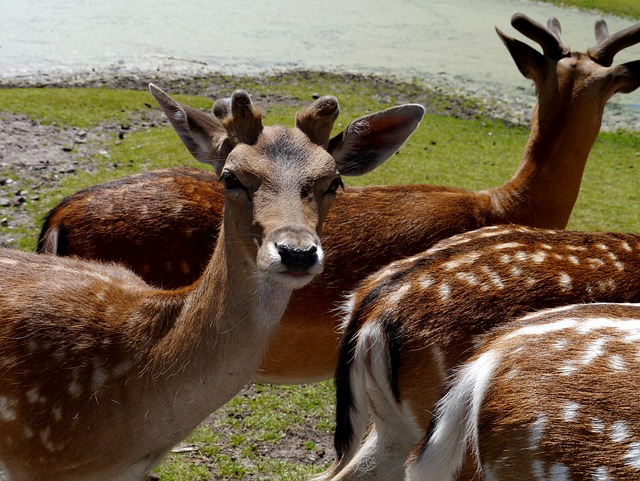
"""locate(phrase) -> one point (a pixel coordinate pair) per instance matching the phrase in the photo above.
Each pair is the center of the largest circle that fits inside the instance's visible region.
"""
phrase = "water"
(448, 41)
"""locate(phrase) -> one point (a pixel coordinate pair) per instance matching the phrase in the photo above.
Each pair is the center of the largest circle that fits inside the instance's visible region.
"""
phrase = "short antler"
(548, 37)
(316, 121)
(240, 117)
(608, 46)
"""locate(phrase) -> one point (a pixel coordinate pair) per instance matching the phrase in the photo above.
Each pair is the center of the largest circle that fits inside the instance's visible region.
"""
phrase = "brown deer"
(414, 321)
(553, 395)
(364, 231)
(100, 373)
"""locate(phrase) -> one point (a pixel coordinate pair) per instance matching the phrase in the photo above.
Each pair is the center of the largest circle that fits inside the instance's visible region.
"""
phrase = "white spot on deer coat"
(34, 397)
(494, 277)
(537, 431)
(617, 364)
(593, 351)
(539, 257)
(426, 281)
(7, 409)
(565, 281)
(597, 425)
(460, 261)
(467, 277)
(602, 474)
(507, 245)
(570, 411)
(619, 432)
(394, 298)
(445, 291)
(595, 263)
(632, 458)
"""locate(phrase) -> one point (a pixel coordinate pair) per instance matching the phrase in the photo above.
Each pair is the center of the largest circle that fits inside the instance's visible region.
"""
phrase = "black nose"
(297, 260)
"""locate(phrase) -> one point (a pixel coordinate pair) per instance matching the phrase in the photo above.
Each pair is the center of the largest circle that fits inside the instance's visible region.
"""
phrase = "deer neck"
(545, 187)
(221, 331)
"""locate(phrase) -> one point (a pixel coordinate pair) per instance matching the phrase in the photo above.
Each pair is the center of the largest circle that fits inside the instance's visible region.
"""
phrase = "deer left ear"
(370, 140)
(203, 136)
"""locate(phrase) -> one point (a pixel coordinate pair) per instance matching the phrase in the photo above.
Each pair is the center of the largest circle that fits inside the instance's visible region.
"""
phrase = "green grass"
(475, 153)
(82, 107)
(624, 8)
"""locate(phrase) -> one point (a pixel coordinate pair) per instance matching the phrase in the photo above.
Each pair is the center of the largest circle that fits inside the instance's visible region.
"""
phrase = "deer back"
(555, 393)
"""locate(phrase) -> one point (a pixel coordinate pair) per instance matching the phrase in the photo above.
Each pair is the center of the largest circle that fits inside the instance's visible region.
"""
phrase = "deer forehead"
(282, 156)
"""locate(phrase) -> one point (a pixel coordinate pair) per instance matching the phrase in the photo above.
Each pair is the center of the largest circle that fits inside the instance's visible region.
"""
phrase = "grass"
(623, 8)
(239, 442)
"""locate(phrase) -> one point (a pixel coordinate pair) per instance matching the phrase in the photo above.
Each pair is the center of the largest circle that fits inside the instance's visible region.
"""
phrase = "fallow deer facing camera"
(101, 373)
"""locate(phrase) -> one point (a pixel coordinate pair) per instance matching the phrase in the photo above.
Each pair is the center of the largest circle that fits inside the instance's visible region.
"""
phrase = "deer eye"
(335, 185)
(231, 182)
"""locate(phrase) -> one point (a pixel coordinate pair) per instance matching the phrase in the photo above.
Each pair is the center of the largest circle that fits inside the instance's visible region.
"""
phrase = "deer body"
(413, 322)
(366, 232)
(551, 395)
(101, 374)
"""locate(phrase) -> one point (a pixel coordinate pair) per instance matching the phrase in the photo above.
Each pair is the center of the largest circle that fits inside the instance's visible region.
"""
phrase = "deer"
(410, 325)
(102, 373)
(552, 395)
(106, 222)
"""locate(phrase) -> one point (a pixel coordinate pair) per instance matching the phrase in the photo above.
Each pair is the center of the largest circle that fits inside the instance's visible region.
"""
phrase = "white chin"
(293, 280)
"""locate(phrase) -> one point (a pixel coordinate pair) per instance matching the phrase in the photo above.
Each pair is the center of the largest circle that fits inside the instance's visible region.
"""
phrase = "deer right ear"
(370, 140)
(203, 136)
(529, 61)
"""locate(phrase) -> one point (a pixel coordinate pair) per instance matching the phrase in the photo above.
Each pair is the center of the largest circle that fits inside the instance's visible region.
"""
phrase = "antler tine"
(549, 41)
(240, 117)
(316, 121)
(608, 46)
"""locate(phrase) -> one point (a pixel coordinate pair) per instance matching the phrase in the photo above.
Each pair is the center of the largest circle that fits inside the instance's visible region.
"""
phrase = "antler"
(316, 121)
(548, 37)
(608, 46)
(240, 117)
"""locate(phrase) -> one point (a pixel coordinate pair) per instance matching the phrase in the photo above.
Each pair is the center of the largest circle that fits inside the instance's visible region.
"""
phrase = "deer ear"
(203, 136)
(370, 140)
(626, 76)
(529, 61)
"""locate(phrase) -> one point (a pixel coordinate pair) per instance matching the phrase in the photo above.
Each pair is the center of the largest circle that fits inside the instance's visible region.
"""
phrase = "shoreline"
(509, 105)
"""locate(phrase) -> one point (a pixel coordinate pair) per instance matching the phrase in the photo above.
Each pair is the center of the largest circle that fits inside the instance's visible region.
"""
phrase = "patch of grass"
(82, 107)
(623, 8)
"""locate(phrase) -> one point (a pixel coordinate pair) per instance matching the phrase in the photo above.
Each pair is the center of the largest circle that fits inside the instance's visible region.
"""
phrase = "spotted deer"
(101, 373)
(364, 231)
(553, 395)
(411, 323)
